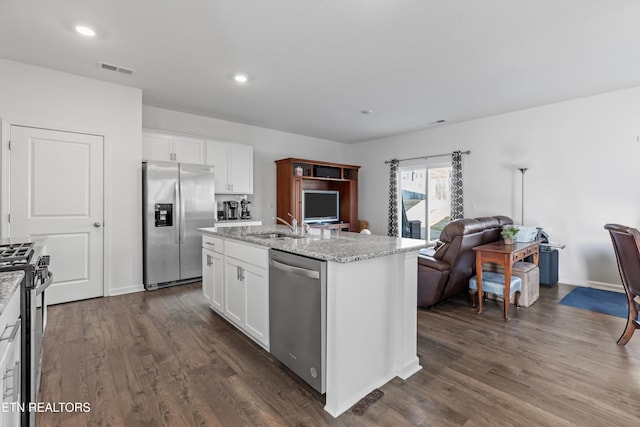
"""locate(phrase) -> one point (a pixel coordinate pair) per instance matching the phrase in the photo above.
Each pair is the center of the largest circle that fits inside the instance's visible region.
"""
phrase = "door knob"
(97, 224)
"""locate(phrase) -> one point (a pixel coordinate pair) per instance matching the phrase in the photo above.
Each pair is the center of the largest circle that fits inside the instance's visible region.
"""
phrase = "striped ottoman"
(493, 283)
(530, 275)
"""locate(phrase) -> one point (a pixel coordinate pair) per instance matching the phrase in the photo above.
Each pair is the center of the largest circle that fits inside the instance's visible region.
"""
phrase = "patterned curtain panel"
(457, 201)
(392, 225)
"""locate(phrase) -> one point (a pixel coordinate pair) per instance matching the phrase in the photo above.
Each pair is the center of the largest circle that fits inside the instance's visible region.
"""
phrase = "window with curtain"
(424, 190)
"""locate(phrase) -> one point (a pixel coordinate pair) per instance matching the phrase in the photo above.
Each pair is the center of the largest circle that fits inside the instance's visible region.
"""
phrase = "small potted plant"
(508, 233)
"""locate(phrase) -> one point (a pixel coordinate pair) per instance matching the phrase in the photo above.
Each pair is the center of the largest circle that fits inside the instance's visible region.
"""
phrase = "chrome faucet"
(293, 226)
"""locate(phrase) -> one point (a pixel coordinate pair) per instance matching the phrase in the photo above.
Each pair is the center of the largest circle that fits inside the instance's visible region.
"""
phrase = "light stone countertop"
(237, 222)
(9, 282)
(327, 245)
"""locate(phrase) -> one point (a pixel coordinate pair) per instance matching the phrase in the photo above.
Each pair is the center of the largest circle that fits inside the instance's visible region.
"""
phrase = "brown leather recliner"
(445, 271)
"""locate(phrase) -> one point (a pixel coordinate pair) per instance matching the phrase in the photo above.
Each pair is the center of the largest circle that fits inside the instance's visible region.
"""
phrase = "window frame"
(426, 164)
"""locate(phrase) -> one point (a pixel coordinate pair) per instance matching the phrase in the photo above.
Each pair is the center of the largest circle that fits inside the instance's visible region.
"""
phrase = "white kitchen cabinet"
(233, 162)
(233, 166)
(241, 168)
(235, 283)
(10, 361)
(256, 321)
(234, 291)
(218, 157)
(172, 148)
(247, 289)
(213, 272)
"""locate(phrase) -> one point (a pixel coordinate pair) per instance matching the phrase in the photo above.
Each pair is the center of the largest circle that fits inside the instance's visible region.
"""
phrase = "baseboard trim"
(127, 290)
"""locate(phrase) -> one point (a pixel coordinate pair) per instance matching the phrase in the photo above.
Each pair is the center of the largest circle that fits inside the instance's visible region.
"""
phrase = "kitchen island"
(371, 292)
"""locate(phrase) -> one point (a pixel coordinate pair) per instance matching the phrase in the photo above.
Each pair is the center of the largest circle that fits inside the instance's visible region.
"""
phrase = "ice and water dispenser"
(164, 214)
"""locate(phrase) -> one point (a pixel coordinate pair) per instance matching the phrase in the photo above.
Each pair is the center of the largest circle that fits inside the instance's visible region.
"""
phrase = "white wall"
(583, 157)
(40, 97)
(269, 145)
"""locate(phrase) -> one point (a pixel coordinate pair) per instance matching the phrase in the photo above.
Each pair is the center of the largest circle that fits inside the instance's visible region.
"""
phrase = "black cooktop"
(15, 253)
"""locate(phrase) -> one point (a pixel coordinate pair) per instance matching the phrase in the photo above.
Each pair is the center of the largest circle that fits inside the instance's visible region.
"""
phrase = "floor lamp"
(522, 170)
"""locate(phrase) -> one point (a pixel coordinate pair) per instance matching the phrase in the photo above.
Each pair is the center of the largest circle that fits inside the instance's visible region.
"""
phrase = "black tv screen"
(320, 206)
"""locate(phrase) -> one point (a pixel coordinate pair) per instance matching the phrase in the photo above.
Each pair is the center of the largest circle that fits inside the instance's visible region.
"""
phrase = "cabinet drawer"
(213, 244)
(255, 255)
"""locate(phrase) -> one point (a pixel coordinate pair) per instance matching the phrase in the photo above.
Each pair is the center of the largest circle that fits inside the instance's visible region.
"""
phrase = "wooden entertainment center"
(293, 176)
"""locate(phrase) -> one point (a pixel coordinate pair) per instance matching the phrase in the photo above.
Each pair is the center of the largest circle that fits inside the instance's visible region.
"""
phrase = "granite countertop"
(327, 245)
(9, 281)
(232, 221)
(239, 220)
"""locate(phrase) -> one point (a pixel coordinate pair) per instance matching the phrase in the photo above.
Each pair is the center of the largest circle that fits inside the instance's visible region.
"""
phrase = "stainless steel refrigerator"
(178, 199)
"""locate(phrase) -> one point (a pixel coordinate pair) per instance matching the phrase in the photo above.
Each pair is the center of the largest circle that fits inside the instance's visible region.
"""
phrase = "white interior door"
(56, 190)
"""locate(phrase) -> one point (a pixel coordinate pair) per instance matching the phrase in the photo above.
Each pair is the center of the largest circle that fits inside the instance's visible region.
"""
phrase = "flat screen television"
(320, 206)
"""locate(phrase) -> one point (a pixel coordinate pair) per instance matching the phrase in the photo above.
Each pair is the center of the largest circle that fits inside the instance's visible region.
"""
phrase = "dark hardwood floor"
(163, 358)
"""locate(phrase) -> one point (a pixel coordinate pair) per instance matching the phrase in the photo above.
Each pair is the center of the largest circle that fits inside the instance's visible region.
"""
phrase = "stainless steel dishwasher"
(297, 315)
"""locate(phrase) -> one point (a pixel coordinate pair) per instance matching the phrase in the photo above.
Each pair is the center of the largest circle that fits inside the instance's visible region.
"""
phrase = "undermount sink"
(269, 235)
(276, 236)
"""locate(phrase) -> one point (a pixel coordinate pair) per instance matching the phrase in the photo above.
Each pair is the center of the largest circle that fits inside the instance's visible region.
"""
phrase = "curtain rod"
(428, 157)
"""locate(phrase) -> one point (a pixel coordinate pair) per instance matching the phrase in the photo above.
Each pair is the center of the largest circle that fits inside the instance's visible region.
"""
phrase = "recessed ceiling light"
(85, 31)
(240, 77)
(366, 112)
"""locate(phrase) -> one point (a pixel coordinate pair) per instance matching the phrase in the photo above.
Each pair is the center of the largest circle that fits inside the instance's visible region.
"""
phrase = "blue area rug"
(607, 302)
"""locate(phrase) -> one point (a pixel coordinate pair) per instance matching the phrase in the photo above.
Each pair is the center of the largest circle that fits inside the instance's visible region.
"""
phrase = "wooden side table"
(506, 256)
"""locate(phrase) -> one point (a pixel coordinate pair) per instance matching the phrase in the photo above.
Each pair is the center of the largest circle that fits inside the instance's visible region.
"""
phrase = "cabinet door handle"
(209, 260)
(240, 273)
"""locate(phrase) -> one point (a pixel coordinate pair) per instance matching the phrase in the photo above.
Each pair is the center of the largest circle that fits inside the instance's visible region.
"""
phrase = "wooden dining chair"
(626, 244)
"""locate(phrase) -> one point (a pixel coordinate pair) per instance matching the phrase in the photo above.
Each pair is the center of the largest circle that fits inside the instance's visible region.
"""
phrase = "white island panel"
(371, 327)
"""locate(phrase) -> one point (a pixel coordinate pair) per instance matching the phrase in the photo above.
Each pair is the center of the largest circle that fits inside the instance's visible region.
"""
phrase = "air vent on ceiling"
(116, 68)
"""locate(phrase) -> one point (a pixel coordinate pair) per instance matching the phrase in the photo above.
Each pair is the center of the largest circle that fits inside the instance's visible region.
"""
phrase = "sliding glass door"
(425, 190)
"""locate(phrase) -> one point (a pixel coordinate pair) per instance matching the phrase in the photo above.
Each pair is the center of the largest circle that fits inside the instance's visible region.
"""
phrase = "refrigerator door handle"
(183, 226)
(177, 213)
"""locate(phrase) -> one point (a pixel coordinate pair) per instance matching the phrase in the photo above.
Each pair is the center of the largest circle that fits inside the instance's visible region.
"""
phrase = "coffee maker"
(245, 209)
(220, 211)
(231, 209)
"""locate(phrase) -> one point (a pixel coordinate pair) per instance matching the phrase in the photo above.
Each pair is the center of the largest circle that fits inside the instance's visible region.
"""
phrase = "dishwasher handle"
(310, 274)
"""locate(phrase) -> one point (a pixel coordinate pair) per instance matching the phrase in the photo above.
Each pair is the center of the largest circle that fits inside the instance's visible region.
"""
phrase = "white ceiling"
(315, 64)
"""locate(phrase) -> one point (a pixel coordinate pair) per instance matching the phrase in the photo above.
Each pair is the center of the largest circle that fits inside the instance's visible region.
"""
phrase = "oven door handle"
(48, 281)
(14, 331)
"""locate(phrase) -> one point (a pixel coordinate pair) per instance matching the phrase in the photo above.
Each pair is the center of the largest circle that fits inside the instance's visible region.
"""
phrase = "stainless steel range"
(27, 254)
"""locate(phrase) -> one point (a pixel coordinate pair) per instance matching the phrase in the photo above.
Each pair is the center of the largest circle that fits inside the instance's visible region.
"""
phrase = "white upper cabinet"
(218, 156)
(188, 150)
(233, 163)
(233, 166)
(241, 168)
(172, 148)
